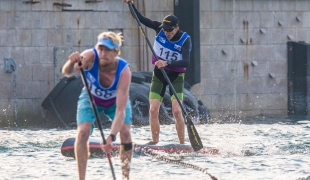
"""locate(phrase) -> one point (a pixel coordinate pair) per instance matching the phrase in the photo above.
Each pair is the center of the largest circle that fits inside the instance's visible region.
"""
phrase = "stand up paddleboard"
(67, 148)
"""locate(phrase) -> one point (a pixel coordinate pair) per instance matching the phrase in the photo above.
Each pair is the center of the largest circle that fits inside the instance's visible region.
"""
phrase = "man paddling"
(172, 47)
(109, 79)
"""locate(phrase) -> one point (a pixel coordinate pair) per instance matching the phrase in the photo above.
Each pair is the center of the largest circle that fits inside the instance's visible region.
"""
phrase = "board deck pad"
(67, 148)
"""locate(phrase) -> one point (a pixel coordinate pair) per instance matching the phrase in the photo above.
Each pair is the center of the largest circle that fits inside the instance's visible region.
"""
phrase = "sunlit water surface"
(280, 152)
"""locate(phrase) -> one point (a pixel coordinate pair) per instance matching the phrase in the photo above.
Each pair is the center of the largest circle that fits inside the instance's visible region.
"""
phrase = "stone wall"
(243, 50)
(244, 54)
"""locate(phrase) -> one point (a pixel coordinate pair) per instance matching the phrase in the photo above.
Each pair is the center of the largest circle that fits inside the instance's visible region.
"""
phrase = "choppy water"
(282, 152)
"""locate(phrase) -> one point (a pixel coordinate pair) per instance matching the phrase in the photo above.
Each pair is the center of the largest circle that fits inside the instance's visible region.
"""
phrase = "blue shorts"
(85, 112)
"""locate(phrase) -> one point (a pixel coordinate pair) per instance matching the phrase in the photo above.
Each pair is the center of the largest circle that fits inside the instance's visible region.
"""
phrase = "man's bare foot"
(151, 143)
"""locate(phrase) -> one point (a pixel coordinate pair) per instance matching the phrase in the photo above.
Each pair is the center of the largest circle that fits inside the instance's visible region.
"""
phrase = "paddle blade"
(193, 136)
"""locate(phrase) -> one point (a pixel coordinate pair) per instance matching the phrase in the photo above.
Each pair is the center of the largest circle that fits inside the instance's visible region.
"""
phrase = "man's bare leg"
(154, 121)
(81, 148)
(179, 120)
(125, 150)
(125, 162)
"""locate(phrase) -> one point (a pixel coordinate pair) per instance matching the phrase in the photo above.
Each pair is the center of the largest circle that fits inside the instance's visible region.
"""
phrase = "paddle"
(96, 115)
(192, 132)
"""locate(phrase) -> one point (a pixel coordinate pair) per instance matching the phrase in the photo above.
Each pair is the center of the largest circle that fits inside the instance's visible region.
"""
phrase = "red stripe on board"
(66, 148)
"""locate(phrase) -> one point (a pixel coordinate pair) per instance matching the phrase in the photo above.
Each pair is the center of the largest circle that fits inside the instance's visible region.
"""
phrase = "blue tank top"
(169, 50)
(104, 97)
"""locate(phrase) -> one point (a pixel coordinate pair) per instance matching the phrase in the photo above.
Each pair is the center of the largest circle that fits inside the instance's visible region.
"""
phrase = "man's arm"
(71, 66)
(186, 50)
(121, 100)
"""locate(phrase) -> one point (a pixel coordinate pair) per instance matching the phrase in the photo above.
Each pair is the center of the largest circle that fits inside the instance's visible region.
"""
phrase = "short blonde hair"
(116, 38)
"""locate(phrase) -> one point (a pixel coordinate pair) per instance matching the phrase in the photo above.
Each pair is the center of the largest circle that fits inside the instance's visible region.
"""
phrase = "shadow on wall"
(61, 103)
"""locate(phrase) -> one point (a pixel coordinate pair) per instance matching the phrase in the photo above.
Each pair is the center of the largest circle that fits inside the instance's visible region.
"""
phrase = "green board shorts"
(159, 84)
(85, 112)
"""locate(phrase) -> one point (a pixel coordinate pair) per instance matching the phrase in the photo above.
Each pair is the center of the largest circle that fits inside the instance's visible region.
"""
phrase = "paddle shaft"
(195, 141)
(92, 102)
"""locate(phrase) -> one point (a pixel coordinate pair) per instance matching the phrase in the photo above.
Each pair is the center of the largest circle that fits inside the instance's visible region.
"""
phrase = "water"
(278, 152)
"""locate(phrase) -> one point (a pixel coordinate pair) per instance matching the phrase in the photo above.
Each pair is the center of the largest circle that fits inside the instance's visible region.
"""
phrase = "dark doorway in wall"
(298, 79)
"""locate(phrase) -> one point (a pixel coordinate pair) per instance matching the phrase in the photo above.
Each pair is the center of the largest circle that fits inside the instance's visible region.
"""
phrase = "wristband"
(113, 137)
